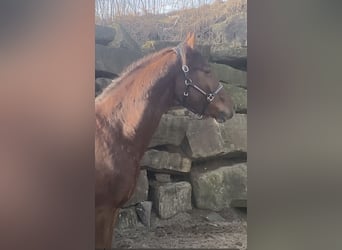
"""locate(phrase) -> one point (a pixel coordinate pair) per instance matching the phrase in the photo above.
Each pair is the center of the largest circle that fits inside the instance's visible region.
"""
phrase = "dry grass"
(175, 25)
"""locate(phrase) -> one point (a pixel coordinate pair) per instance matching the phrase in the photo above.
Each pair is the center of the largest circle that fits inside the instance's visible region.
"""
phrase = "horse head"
(197, 88)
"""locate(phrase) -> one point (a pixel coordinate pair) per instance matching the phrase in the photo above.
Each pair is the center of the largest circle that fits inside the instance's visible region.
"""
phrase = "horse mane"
(130, 69)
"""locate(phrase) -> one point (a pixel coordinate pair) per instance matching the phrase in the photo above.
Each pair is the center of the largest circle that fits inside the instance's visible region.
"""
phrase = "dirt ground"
(194, 229)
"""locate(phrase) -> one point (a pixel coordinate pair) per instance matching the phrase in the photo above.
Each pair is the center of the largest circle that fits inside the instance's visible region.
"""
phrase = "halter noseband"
(188, 83)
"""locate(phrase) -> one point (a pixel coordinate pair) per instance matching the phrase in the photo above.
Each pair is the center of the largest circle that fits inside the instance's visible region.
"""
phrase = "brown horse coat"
(127, 114)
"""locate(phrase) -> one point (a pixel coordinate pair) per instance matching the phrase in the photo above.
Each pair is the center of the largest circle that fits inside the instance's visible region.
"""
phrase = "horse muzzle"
(224, 116)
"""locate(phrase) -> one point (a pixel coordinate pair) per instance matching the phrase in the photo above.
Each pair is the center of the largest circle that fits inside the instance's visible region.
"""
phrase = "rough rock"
(239, 203)
(120, 52)
(234, 133)
(170, 131)
(215, 217)
(233, 48)
(143, 210)
(239, 97)
(229, 74)
(219, 188)
(123, 39)
(113, 60)
(162, 161)
(226, 54)
(100, 84)
(127, 218)
(164, 178)
(171, 198)
(141, 190)
(208, 139)
(205, 140)
(234, 30)
(104, 35)
(178, 111)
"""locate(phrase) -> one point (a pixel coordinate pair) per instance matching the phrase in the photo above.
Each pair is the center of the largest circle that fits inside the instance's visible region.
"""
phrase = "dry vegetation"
(148, 23)
(109, 9)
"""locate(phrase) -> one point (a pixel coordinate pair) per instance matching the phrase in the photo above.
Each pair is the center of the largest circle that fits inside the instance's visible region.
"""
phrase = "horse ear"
(190, 40)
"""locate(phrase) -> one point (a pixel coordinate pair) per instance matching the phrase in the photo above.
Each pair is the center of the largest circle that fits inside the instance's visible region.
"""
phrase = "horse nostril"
(227, 115)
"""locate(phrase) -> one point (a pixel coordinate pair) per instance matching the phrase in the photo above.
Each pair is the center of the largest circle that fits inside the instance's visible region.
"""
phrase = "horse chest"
(126, 170)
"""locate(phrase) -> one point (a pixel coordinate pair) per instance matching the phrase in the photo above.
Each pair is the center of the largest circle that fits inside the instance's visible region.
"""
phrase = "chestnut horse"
(128, 112)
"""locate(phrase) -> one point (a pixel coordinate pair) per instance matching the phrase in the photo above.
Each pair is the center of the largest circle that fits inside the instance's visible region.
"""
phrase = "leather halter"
(180, 51)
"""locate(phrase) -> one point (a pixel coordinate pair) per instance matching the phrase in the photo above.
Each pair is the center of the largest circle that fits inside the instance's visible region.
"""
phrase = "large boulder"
(225, 53)
(229, 74)
(233, 30)
(216, 189)
(163, 178)
(113, 57)
(104, 35)
(170, 131)
(204, 138)
(208, 139)
(162, 161)
(234, 134)
(171, 198)
(112, 60)
(233, 48)
(239, 97)
(141, 190)
(123, 39)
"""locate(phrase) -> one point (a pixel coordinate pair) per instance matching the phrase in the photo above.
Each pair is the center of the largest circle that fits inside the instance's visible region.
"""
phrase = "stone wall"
(190, 162)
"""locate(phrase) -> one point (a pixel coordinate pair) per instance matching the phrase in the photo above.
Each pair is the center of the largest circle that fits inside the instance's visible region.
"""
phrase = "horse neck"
(138, 102)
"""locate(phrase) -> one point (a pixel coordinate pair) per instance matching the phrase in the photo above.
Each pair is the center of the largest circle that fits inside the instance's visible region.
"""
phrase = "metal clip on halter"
(185, 68)
(210, 97)
(187, 82)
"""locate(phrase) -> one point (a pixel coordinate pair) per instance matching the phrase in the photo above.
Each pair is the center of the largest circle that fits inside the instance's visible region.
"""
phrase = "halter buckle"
(210, 97)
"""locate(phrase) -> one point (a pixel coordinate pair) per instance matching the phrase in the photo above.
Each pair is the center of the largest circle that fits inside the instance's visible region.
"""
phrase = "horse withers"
(128, 112)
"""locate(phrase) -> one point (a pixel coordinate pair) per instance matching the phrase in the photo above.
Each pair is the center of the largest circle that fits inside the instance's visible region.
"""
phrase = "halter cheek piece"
(188, 83)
